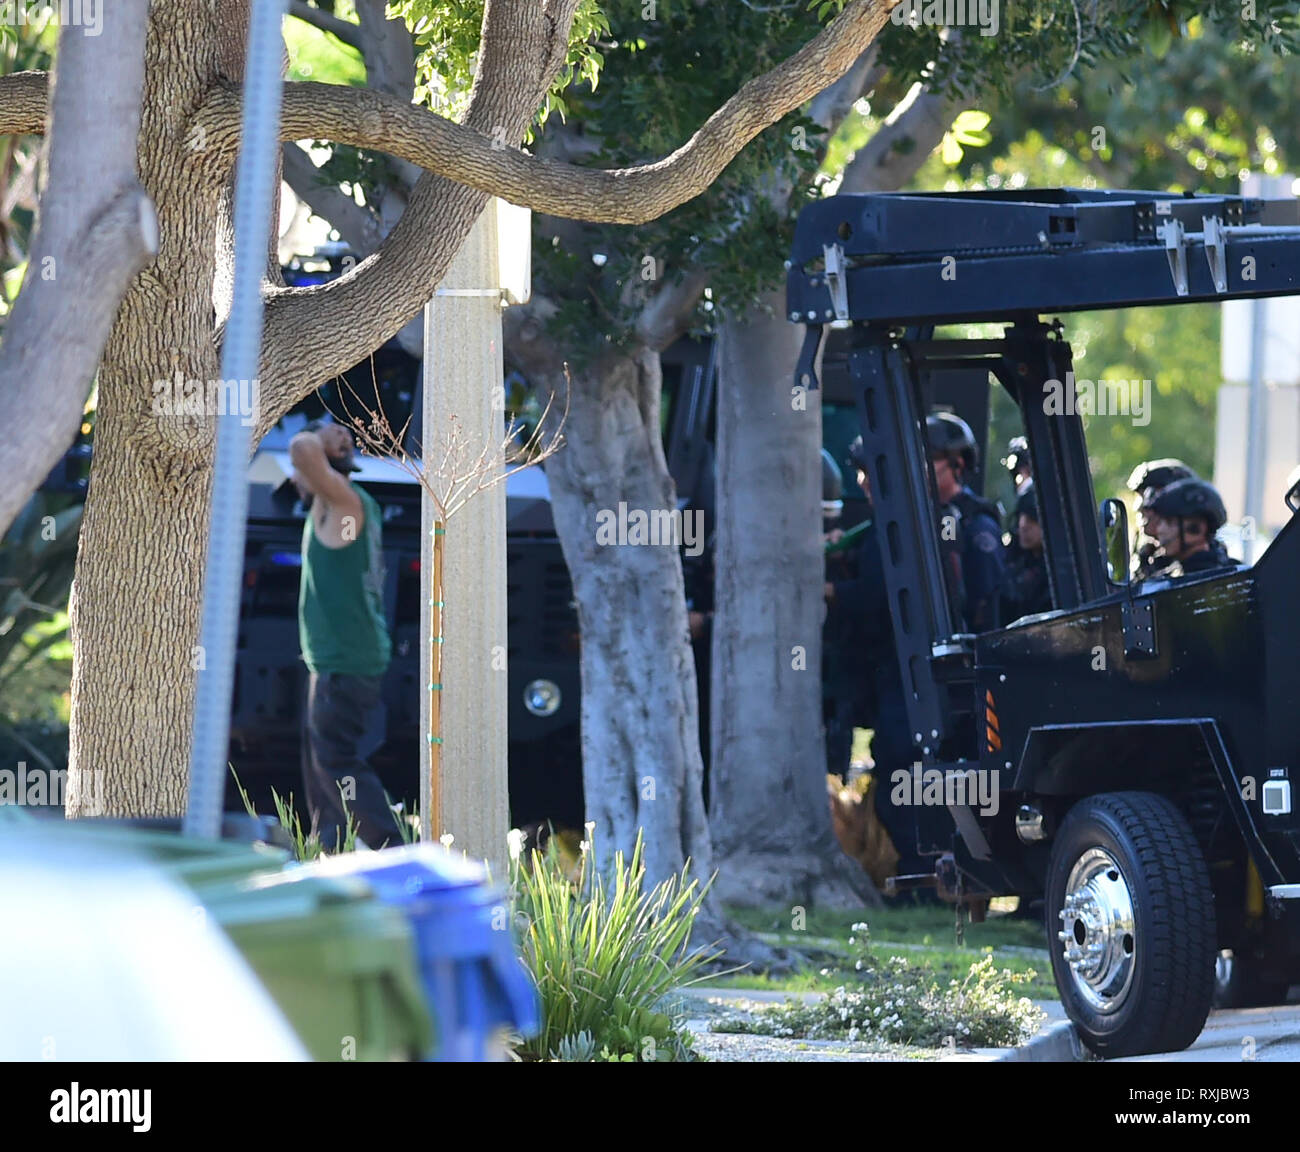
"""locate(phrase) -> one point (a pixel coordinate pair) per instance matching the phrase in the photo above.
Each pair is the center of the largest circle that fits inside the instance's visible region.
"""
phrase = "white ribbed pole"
(463, 378)
(256, 187)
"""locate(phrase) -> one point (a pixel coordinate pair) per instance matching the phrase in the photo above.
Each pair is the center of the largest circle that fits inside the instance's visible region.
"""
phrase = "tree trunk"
(138, 588)
(641, 763)
(769, 572)
(97, 230)
(768, 807)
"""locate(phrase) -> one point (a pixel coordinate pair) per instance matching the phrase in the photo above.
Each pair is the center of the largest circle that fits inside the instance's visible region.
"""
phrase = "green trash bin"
(196, 863)
(341, 965)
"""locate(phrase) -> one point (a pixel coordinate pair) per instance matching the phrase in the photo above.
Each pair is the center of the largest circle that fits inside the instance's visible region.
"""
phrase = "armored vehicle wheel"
(1243, 981)
(1130, 925)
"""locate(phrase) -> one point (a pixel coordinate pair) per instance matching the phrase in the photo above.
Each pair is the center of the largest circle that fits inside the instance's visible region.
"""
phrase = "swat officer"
(1017, 464)
(954, 456)
(1025, 589)
(1184, 518)
(1021, 473)
(1148, 480)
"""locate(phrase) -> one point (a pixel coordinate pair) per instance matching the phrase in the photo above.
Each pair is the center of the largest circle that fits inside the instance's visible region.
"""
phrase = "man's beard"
(342, 464)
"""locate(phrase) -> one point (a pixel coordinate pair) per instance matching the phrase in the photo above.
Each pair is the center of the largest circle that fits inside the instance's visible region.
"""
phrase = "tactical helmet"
(858, 454)
(949, 435)
(1027, 503)
(1190, 497)
(1017, 455)
(1158, 474)
(832, 487)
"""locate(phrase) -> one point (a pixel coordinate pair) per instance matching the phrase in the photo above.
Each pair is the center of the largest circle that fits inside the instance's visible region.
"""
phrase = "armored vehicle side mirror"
(1114, 534)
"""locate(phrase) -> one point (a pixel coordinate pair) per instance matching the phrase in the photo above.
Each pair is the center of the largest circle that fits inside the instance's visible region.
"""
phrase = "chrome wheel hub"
(1097, 930)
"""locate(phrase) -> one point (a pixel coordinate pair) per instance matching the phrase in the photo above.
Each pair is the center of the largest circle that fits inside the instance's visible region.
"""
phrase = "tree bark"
(641, 761)
(97, 229)
(767, 782)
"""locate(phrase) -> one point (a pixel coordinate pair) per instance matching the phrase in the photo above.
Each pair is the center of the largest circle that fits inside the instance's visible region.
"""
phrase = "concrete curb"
(1058, 1042)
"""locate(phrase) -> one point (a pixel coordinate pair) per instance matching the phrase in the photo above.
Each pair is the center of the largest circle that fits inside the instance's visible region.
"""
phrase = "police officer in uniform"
(1025, 589)
(1148, 480)
(954, 455)
(1183, 518)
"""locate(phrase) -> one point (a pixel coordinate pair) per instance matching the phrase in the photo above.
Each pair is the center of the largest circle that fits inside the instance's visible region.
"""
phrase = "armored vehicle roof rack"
(917, 259)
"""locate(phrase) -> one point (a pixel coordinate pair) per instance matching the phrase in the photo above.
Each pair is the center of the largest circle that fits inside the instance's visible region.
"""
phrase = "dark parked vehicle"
(543, 645)
(1128, 756)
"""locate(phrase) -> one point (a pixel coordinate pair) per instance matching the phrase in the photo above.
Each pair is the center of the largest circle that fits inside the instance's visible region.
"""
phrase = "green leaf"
(972, 120)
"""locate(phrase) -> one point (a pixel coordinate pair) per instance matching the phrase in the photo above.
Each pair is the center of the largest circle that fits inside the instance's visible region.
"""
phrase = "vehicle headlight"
(542, 697)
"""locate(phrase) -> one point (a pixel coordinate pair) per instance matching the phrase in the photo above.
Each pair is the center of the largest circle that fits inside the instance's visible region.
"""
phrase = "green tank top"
(341, 623)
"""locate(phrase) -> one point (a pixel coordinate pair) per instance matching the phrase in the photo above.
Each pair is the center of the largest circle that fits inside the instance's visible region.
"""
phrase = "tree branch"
(387, 48)
(911, 131)
(368, 119)
(97, 230)
(667, 315)
(326, 22)
(900, 146)
(831, 105)
(312, 334)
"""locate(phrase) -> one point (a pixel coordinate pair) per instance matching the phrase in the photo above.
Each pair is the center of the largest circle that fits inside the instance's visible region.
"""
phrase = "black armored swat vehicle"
(1130, 756)
(543, 644)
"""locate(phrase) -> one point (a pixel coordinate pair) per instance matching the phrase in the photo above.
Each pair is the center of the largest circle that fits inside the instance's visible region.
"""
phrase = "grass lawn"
(920, 934)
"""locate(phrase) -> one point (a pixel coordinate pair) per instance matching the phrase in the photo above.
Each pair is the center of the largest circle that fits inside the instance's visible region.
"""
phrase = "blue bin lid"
(453, 913)
(431, 866)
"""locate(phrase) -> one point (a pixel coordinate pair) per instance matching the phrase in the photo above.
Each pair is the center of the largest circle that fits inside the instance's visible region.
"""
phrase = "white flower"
(858, 966)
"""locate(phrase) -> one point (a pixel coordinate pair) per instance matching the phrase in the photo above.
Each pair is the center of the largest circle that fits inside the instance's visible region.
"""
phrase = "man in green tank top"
(344, 637)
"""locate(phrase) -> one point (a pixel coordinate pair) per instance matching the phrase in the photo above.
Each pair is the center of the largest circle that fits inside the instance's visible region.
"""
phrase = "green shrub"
(605, 957)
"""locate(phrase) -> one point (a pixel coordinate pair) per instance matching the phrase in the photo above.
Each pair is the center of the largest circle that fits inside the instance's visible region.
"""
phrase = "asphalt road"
(1264, 1034)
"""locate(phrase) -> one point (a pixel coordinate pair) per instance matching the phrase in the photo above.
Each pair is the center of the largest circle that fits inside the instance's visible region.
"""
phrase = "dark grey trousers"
(340, 723)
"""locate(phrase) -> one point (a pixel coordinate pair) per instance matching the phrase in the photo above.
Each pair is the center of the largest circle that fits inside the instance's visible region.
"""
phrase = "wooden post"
(463, 380)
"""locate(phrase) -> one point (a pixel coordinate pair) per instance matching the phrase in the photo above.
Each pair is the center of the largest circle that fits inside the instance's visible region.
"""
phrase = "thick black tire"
(1168, 998)
(1243, 981)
